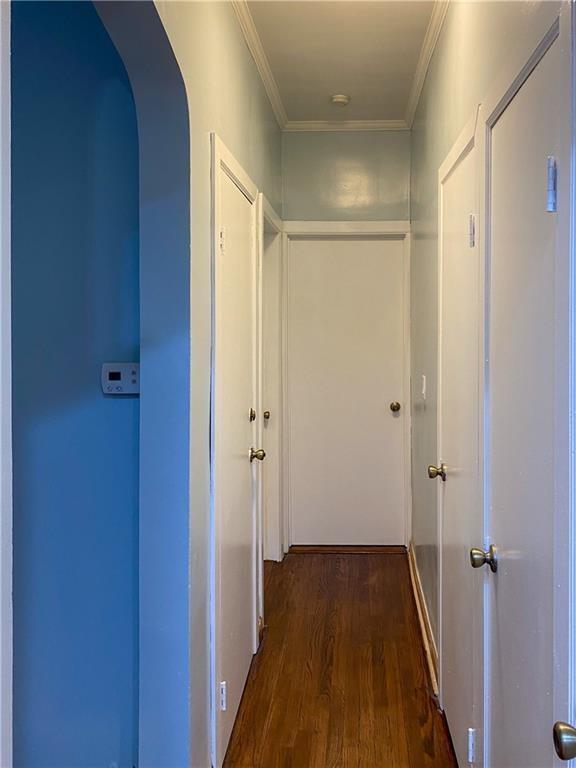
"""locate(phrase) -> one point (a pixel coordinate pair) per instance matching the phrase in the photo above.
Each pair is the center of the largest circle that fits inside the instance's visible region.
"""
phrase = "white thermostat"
(121, 378)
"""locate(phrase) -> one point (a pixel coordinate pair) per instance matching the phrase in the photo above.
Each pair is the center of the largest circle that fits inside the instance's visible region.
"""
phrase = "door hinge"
(223, 696)
(472, 231)
(471, 746)
(222, 240)
(551, 185)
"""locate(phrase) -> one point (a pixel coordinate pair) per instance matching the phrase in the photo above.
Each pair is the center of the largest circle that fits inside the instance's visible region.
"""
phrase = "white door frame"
(222, 161)
(5, 398)
(345, 229)
(522, 62)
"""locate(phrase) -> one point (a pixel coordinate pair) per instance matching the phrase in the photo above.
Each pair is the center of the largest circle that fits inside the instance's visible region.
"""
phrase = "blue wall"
(75, 305)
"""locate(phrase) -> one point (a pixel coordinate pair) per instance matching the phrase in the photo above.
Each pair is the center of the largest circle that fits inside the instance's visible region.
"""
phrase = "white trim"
(342, 228)
(295, 126)
(6, 632)
(428, 641)
(459, 148)
(224, 159)
(260, 59)
(270, 215)
(428, 46)
(566, 187)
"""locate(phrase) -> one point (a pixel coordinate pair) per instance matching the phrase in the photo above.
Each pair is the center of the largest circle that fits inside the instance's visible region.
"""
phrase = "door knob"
(434, 472)
(259, 454)
(267, 415)
(478, 558)
(564, 740)
(395, 407)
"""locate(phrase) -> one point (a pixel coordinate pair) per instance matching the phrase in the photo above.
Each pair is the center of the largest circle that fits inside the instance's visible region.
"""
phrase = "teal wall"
(75, 303)
(352, 175)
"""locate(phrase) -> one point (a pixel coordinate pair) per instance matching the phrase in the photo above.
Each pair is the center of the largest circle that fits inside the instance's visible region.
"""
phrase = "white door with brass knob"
(347, 390)
(237, 454)
(455, 472)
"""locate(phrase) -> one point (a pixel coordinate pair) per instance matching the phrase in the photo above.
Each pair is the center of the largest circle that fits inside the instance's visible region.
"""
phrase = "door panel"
(234, 434)
(521, 423)
(345, 366)
(459, 420)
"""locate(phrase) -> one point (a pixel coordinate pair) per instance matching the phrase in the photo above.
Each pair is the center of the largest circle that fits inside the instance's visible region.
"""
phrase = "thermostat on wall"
(121, 378)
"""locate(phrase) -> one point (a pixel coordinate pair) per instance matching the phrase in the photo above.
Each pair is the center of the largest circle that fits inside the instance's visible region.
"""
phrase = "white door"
(345, 367)
(234, 432)
(458, 443)
(526, 417)
(271, 393)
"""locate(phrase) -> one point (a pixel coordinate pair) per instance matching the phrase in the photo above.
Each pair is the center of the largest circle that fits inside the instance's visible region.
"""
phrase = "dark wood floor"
(340, 678)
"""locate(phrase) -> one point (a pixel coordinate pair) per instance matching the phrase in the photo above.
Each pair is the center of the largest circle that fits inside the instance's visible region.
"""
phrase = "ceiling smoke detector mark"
(340, 99)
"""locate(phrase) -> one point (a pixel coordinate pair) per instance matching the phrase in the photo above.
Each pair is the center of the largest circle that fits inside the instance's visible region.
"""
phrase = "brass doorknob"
(434, 472)
(564, 740)
(395, 406)
(267, 415)
(479, 557)
(259, 454)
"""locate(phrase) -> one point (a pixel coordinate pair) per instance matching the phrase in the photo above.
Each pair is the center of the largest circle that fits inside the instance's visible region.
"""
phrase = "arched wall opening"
(101, 272)
(164, 208)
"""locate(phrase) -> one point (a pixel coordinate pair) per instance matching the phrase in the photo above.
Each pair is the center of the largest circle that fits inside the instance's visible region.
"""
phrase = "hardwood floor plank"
(340, 680)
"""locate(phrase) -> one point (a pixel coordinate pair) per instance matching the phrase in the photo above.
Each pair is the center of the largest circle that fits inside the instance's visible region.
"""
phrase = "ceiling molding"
(428, 46)
(260, 59)
(294, 126)
(262, 64)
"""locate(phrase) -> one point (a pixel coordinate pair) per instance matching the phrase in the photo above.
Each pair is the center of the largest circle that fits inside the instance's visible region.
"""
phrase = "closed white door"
(458, 442)
(234, 433)
(271, 394)
(526, 417)
(345, 367)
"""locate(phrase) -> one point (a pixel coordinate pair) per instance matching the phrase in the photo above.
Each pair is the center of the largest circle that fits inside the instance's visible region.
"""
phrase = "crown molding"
(296, 126)
(426, 52)
(260, 59)
(271, 87)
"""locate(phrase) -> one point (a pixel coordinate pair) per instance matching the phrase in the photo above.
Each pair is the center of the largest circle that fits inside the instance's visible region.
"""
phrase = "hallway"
(341, 678)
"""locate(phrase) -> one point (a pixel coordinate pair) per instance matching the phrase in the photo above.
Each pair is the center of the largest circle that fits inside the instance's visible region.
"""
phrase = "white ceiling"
(377, 51)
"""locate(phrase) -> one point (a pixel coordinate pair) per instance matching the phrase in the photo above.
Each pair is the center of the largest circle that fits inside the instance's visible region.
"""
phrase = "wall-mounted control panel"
(121, 378)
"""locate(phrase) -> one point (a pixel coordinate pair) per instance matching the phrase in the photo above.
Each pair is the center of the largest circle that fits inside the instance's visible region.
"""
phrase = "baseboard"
(345, 549)
(424, 619)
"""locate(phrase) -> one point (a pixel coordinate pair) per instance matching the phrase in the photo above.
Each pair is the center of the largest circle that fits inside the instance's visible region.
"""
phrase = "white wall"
(475, 42)
(352, 175)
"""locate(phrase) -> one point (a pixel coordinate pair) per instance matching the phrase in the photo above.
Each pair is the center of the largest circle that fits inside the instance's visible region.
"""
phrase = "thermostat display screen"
(114, 376)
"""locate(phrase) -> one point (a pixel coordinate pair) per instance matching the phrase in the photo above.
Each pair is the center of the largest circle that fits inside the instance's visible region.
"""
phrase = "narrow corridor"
(341, 678)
